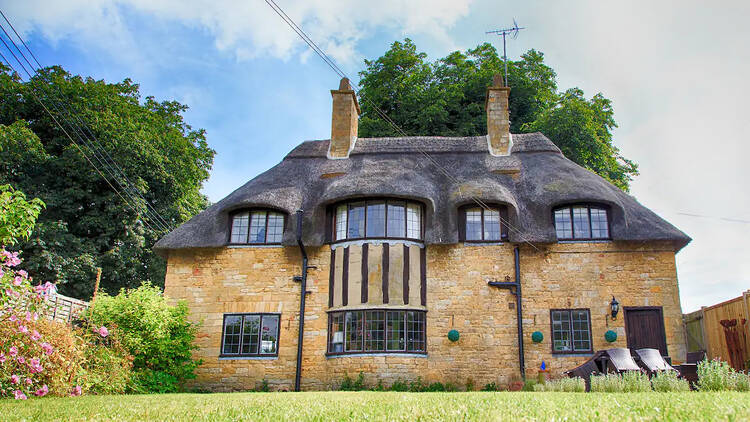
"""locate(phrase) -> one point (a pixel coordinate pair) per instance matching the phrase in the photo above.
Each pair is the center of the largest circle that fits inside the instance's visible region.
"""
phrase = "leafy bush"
(399, 385)
(349, 384)
(608, 383)
(741, 381)
(715, 375)
(667, 381)
(490, 387)
(417, 385)
(157, 334)
(636, 382)
(568, 385)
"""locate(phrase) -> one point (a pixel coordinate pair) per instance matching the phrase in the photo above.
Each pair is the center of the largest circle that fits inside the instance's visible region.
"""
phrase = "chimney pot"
(344, 120)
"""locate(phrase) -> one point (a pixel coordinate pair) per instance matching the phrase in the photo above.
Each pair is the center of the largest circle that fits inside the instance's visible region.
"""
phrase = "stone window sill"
(248, 358)
(360, 355)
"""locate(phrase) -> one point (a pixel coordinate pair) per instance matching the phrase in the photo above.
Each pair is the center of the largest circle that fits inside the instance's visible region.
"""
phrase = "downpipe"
(303, 295)
(515, 289)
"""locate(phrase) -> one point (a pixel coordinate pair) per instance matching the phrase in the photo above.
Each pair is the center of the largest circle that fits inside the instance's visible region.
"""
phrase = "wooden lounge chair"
(652, 361)
(618, 360)
(586, 369)
(689, 370)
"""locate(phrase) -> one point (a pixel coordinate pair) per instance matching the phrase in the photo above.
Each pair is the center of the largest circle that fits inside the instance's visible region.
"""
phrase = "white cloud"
(247, 29)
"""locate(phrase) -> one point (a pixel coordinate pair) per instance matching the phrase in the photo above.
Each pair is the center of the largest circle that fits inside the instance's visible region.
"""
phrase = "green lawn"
(358, 406)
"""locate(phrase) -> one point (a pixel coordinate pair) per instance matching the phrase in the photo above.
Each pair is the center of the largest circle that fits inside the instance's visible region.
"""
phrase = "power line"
(97, 150)
(290, 22)
(74, 130)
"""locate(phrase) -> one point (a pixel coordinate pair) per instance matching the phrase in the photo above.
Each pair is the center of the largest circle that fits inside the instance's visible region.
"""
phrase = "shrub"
(529, 385)
(470, 384)
(608, 383)
(157, 334)
(490, 387)
(635, 382)
(741, 381)
(667, 381)
(568, 385)
(715, 375)
(417, 385)
(349, 384)
(399, 385)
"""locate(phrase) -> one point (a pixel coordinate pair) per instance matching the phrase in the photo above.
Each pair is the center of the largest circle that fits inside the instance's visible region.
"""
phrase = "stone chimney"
(498, 120)
(344, 121)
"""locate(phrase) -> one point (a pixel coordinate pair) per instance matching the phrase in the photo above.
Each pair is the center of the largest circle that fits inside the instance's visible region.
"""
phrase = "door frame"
(646, 308)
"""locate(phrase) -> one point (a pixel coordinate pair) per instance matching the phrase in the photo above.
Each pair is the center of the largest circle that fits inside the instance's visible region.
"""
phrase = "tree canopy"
(86, 224)
(446, 97)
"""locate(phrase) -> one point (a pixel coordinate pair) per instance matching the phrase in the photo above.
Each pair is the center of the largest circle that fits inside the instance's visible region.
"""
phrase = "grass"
(356, 406)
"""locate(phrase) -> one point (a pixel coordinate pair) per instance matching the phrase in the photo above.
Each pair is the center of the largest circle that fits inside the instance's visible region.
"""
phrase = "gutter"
(303, 294)
(515, 290)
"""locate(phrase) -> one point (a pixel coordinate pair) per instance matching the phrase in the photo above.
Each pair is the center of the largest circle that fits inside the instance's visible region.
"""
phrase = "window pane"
(269, 332)
(474, 224)
(415, 331)
(353, 331)
(376, 219)
(396, 331)
(599, 227)
(232, 328)
(258, 227)
(413, 221)
(491, 225)
(563, 225)
(581, 228)
(375, 331)
(250, 329)
(336, 333)
(561, 331)
(356, 221)
(341, 222)
(275, 227)
(396, 223)
(581, 330)
(239, 227)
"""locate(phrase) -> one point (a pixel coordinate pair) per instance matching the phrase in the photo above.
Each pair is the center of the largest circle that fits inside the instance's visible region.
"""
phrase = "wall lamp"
(614, 306)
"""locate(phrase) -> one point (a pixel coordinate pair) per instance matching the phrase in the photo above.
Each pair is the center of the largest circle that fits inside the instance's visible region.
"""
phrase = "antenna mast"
(513, 32)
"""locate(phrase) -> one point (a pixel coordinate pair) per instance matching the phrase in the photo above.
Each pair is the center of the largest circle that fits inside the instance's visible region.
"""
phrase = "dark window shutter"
(504, 223)
(462, 224)
(329, 224)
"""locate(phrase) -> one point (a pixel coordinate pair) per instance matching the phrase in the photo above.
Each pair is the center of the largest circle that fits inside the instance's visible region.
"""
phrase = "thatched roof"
(532, 180)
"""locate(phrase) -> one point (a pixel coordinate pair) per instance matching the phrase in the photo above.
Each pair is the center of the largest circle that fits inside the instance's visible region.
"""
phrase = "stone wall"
(583, 275)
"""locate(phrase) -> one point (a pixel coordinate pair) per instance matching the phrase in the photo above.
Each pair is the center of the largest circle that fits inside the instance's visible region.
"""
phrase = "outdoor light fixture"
(615, 307)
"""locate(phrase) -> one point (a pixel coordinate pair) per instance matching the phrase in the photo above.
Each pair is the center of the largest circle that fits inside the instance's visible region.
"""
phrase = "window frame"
(386, 201)
(589, 351)
(261, 315)
(250, 212)
(503, 220)
(588, 207)
(385, 313)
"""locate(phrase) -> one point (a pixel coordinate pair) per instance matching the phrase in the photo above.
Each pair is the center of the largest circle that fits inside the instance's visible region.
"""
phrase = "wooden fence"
(704, 331)
(63, 308)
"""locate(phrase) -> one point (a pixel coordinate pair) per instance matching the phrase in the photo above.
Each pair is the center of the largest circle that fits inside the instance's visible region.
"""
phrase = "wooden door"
(644, 328)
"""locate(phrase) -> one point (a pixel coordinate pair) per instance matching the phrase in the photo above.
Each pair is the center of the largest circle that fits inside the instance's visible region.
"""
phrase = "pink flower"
(35, 335)
(21, 359)
(2, 357)
(28, 316)
(35, 316)
(2, 273)
(17, 281)
(19, 395)
(15, 379)
(35, 366)
(42, 391)
(76, 391)
(29, 381)
(23, 273)
(103, 331)
(13, 318)
(22, 329)
(48, 349)
(13, 351)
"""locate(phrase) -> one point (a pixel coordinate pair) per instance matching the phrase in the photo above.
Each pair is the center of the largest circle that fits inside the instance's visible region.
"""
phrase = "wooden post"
(703, 331)
(96, 284)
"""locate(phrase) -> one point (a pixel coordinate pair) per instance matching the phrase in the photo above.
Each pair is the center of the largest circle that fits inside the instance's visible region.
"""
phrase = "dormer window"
(257, 227)
(480, 224)
(582, 222)
(378, 219)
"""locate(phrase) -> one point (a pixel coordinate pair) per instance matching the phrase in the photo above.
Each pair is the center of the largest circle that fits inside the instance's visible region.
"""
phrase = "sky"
(675, 71)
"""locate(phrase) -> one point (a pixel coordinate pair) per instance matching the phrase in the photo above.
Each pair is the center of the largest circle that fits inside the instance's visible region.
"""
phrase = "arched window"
(483, 224)
(582, 222)
(257, 227)
(378, 219)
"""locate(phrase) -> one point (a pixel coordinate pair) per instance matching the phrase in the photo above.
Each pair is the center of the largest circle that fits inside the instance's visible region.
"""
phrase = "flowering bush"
(667, 381)
(40, 357)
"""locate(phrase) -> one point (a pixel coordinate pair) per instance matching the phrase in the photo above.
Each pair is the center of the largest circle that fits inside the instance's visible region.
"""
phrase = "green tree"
(446, 98)
(17, 215)
(86, 224)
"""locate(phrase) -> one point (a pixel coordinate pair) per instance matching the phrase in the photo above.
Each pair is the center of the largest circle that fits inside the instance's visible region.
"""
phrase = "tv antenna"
(513, 32)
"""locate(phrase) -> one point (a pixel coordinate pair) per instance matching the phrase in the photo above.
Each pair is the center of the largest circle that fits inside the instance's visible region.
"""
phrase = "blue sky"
(676, 72)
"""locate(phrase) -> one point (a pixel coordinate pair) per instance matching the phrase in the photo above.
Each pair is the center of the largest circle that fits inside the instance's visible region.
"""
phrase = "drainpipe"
(303, 294)
(515, 290)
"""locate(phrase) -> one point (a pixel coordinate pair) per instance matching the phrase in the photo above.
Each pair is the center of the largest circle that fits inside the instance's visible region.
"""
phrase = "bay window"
(377, 331)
